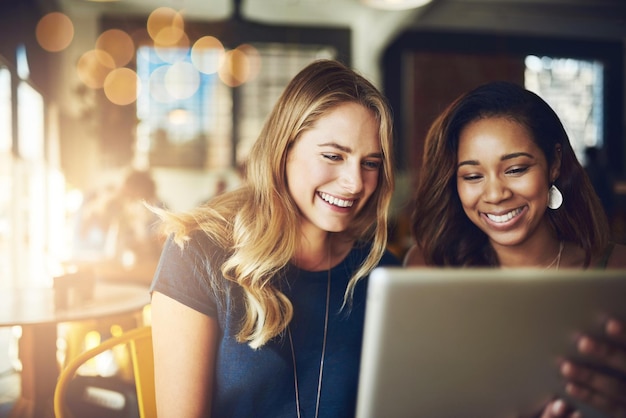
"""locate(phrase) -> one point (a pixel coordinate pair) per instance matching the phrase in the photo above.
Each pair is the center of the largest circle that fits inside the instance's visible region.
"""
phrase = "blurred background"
(92, 91)
(105, 104)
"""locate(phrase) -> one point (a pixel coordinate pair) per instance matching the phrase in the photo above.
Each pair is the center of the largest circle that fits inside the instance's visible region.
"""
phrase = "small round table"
(34, 310)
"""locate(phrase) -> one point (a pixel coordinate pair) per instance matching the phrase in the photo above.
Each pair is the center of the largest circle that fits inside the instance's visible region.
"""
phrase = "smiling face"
(502, 180)
(333, 168)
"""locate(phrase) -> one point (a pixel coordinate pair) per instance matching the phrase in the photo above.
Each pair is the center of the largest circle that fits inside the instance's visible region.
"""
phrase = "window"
(6, 168)
(29, 180)
(574, 89)
(279, 64)
(582, 79)
(32, 198)
(191, 119)
(181, 110)
(6, 115)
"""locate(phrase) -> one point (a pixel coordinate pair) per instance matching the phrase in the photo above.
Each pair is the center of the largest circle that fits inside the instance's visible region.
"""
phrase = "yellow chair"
(139, 341)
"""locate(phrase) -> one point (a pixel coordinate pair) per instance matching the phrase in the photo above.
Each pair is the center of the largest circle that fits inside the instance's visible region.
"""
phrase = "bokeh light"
(122, 86)
(93, 67)
(166, 27)
(235, 68)
(178, 116)
(118, 44)
(172, 44)
(254, 60)
(54, 32)
(164, 17)
(156, 84)
(203, 58)
(182, 80)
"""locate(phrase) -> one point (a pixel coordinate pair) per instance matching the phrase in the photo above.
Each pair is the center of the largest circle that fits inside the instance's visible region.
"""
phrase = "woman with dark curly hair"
(501, 186)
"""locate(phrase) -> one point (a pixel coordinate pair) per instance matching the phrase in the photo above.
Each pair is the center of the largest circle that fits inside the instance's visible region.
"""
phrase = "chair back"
(139, 341)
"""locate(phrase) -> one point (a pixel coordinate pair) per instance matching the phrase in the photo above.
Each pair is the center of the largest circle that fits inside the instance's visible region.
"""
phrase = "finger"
(558, 409)
(609, 354)
(609, 386)
(616, 330)
(597, 400)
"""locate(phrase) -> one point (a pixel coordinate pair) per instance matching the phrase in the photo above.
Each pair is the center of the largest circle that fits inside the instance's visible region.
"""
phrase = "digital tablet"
(442, 343)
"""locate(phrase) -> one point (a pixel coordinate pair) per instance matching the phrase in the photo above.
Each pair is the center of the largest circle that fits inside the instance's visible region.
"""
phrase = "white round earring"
(555, 198)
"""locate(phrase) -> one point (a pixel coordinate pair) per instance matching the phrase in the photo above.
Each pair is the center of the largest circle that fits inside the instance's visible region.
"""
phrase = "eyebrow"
(348, 149)
(503, 158)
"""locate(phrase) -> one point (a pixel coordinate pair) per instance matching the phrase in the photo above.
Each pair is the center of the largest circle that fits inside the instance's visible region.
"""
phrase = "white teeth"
(336, 201)
(505, 217)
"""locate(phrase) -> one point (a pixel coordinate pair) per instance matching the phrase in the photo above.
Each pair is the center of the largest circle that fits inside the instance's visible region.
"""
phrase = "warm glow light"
(206, 54)
(166, 27)
(235, 68)
(6, 116)
(118, 44)
(178, 116)
(169, 37)
(182, 80)
(254, 60)
(395, 4)
(171, 44)
(93, 67)
(157, 88)
(54, 32)
(122, 86)
(164, 17)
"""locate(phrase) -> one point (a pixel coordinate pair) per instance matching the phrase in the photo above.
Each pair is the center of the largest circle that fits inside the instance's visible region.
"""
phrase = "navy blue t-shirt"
(260, 383)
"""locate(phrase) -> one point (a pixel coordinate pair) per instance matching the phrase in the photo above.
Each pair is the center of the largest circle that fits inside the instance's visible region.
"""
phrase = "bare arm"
(184, 358)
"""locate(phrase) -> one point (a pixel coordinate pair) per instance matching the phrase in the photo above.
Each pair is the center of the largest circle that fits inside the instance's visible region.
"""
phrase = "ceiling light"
(395, 4)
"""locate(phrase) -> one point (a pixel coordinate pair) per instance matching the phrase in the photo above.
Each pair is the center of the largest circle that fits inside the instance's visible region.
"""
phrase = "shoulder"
(195, 249)
(414, 257)
(617, 258)
(389, 259)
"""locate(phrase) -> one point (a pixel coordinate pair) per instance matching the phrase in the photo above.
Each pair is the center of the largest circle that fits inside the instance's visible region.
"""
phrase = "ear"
(555, 168)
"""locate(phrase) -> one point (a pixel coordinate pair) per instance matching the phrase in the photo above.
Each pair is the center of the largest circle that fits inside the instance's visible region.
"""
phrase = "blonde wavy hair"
(258, 224)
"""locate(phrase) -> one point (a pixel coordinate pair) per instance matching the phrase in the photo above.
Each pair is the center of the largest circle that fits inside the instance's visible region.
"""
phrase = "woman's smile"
(335, 201)
(499, 219)
(502, 180)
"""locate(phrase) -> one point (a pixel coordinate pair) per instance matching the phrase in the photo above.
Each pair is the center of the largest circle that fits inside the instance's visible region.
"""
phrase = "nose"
(496, 190)
(352, 178)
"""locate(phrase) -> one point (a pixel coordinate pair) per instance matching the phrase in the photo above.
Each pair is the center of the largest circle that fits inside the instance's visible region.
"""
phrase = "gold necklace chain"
(293, 357)
(557, 259)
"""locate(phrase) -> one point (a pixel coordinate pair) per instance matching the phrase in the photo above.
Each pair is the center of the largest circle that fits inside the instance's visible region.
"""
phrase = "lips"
(505, 217)
(335, 201)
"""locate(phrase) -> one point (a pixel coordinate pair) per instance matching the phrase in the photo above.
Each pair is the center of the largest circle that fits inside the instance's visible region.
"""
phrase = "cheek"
(370, 183)
(294, 177)
(536, 188)
(466, 194)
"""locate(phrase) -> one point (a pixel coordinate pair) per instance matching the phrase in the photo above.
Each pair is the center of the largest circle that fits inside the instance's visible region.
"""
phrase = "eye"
(332, 157)
(516, 171)
(471, 177)
(465, 175)
(372, 164)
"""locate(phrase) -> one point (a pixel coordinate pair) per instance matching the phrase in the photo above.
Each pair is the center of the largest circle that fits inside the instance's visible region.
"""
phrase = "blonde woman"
(258, 300)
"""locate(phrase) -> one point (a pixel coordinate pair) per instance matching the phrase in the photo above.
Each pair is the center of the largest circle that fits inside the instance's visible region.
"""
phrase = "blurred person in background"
(116, 235)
